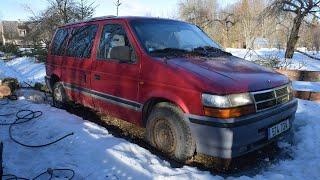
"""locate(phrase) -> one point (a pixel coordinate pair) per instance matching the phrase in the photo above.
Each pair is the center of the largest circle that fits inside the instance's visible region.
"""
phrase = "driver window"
(114, 44)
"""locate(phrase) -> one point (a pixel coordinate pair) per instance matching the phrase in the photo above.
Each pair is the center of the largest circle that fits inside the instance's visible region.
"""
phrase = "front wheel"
(168, 131)
(60, 99)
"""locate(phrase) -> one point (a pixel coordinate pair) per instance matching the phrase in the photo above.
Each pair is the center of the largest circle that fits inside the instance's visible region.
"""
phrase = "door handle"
(97, 77)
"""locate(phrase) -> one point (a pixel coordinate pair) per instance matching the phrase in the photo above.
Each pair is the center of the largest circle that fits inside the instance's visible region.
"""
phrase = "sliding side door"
(78, 63)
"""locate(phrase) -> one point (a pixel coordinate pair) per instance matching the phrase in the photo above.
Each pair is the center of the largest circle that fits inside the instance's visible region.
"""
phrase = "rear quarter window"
(81, 41)
(59, 42)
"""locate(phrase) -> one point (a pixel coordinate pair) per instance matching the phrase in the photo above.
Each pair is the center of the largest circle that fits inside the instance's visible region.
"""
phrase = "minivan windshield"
(163, 37)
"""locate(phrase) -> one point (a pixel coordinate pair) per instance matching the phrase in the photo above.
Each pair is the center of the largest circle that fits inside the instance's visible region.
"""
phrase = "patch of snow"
(25, 69)
(299, 61)
(306, 86)
(95, 154)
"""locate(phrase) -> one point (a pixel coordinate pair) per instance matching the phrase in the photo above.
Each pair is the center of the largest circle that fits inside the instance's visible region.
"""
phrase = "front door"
(115, 73)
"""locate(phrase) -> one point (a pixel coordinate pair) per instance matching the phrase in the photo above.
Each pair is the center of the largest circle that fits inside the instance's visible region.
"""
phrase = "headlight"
(233, 100)
(229, 106)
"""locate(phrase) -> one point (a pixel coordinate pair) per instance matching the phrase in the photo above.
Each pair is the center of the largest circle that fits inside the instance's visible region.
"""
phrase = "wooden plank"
(296, 75)
(307, 95)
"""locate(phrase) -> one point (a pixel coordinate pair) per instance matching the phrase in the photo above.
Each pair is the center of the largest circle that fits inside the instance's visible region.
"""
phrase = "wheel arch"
(153, 101)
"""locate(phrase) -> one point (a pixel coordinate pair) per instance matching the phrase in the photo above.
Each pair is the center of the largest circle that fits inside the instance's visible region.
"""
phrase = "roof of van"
(101, 18)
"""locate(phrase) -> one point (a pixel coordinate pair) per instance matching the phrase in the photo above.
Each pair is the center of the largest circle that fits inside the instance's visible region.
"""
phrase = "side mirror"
(121, 53)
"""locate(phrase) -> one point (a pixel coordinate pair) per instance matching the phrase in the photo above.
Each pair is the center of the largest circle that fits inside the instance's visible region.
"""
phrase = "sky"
(23, 9)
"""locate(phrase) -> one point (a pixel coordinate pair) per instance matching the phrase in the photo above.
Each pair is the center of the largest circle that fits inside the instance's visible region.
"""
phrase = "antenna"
(118, 4)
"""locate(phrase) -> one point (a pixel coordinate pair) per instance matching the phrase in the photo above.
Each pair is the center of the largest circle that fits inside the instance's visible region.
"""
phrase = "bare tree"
(249, 23)
(84, 9)
(300, 9)
(199, 12)
(58, 12)
(117, 4)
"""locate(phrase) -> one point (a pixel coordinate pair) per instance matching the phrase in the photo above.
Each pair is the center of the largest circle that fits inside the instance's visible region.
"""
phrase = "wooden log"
(296, 75)
(12, 83)
(308, 95)
(4, 91)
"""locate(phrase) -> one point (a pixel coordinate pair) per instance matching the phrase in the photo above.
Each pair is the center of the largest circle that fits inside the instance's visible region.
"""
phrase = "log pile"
(8, 86)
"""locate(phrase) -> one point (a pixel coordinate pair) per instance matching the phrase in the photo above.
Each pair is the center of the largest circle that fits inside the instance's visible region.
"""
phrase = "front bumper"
(229, 138)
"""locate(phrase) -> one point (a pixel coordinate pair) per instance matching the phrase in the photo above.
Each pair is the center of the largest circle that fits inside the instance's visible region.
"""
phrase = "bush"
(37, 51)
(269, 62)
(10, 49)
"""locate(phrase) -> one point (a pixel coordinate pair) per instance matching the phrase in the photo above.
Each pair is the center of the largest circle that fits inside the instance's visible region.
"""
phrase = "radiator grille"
(270, 98)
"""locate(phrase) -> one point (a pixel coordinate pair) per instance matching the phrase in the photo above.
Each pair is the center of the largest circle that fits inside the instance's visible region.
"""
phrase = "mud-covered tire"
(60, 99)
(168, 131)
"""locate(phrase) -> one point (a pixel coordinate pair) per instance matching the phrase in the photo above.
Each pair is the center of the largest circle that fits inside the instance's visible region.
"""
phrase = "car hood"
(230, 74)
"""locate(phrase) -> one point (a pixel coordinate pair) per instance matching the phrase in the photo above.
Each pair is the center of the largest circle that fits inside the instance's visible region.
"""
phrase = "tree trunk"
(294, 36)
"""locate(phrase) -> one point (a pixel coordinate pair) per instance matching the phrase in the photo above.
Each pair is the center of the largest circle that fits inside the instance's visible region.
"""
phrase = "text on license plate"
(278, 129)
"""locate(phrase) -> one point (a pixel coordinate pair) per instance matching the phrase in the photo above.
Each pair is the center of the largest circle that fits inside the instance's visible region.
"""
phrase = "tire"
(168, 131)
(60, 99)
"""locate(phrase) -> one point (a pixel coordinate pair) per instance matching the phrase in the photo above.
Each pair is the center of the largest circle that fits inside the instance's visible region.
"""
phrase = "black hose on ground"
(51, 172)
(8, 98)
(24, 116)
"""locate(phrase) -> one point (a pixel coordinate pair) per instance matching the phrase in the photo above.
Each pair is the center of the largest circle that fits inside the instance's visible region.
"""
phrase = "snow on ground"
(306, 86)
(92, 152)
(24, 69)
(299, 60)
(95, 154)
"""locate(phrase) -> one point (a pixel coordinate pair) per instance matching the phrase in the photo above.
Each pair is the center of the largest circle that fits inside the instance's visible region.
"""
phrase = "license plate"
(278, 129)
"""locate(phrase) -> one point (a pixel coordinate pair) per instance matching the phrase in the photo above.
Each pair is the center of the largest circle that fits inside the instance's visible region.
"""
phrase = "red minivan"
(171, 78)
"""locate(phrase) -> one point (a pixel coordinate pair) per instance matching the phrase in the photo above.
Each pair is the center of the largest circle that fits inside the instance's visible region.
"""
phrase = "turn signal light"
(226, 113)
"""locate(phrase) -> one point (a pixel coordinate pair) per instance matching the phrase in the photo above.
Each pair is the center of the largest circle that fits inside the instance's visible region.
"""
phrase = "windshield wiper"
(203, 51)
(210, 51)
(169, 52)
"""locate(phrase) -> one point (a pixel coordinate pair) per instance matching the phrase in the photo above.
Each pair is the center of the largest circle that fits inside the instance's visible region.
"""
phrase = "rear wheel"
(60, 99)
(168, 131)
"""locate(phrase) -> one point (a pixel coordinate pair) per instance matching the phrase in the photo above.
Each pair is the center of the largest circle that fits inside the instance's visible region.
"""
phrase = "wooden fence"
(309, 76)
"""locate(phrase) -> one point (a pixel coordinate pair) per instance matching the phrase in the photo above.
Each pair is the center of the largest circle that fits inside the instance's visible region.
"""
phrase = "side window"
(59, 42)
(114, 44)
(81, 41)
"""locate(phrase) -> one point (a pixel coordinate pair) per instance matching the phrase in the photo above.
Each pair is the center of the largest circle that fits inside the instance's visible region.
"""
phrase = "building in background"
(260, 42)
(14, 32)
